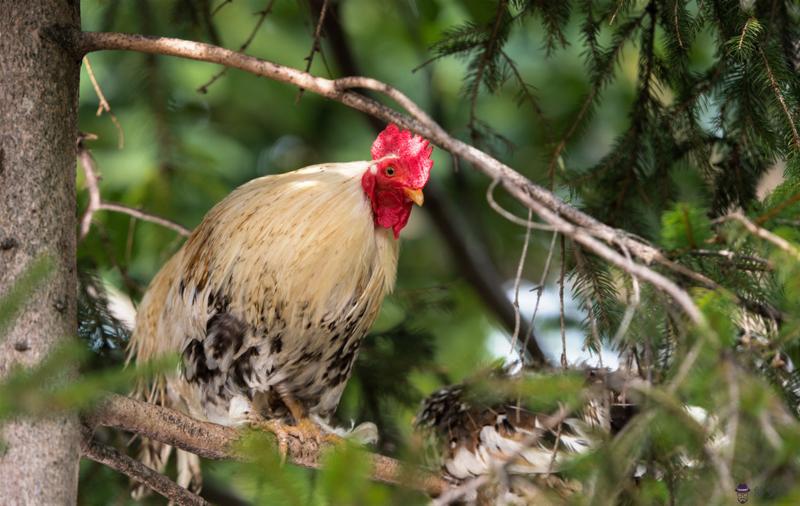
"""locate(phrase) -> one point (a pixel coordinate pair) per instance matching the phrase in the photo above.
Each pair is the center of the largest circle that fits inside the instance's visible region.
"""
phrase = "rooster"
(269, 299)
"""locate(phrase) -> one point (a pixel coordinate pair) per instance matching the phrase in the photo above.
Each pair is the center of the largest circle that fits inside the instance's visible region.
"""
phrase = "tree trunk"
(38, 115)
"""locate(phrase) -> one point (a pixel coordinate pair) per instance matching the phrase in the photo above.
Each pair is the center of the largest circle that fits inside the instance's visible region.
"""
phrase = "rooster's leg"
(305, 429)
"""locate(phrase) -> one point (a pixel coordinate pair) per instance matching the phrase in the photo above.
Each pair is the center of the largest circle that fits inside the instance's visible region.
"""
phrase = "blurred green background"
(184, 150)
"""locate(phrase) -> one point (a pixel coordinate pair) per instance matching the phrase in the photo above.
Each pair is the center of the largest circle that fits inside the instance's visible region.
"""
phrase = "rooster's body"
(268, 300)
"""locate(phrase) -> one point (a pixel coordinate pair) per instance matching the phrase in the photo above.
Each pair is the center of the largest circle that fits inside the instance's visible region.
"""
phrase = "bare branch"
(96, 202)
(213, 441)
(92, 185)
(763, 233)
(144, 216)
(262, 15)
(528, 224)
(539, 289)
(104, 105)
(763, 263)
(520, 266)
(561, 322)
(220, 6)
(135, 470)
(315, 44)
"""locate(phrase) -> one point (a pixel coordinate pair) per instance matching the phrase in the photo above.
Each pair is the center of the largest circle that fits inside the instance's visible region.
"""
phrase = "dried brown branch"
(137, 471)
(104, 105)
(517, 279)
(540, 288)
(793, 199)
(561, 321)
(316, 47)
(580, 227)
(144, 216)
(496, 207)
(220, 6)
(262, 15)
(213, 441)
(744, 261)
(96, 202)
(763, 233)
(92, 184)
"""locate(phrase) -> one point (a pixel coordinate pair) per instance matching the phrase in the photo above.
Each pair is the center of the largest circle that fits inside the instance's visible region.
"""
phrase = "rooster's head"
(400, 169)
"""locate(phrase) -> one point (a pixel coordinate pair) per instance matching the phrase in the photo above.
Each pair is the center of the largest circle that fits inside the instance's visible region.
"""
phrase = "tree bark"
(39, 75)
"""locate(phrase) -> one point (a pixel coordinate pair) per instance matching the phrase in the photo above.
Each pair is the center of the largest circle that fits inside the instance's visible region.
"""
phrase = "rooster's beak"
(415, 194)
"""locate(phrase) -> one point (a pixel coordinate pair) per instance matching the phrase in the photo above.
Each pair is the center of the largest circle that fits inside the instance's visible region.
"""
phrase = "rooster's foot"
(305, 431)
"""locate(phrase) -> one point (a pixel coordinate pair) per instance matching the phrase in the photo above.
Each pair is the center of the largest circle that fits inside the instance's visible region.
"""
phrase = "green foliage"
(685, 228)
(51, 385)
(656, 116)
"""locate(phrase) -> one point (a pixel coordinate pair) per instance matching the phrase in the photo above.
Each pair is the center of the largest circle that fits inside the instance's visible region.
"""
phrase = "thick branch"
(134, 469)
(568, 220)
(217, 442)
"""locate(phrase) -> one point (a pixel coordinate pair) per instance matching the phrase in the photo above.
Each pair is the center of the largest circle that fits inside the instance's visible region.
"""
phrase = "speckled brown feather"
(470, 435)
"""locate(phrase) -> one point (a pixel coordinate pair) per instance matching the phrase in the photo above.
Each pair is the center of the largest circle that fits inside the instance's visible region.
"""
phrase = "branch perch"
(134, 469)
(216, 442)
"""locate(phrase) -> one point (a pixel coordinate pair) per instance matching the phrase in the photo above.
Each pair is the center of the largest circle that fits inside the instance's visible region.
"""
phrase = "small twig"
(561, 319)
(509, 216)
(763, 233)
(633, 304)
(581, 262)
(743, 34)
(540, 288)
(92, 185)
(137, 471)
(96, 202)
(677, 25)
(616, 11)
(144, 216)
(555, 449)
(793, 199)
(315, 44)
(776, 88)
(517, 280)
(734, 256)
(104, 105)
(562, 144)
(545, 123)
(220, 6)
(262, 15)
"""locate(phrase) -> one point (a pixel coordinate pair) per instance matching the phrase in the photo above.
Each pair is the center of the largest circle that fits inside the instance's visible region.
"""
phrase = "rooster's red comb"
(412, 151)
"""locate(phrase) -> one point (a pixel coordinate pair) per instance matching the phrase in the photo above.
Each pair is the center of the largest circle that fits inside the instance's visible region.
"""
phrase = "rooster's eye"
(390, 171)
